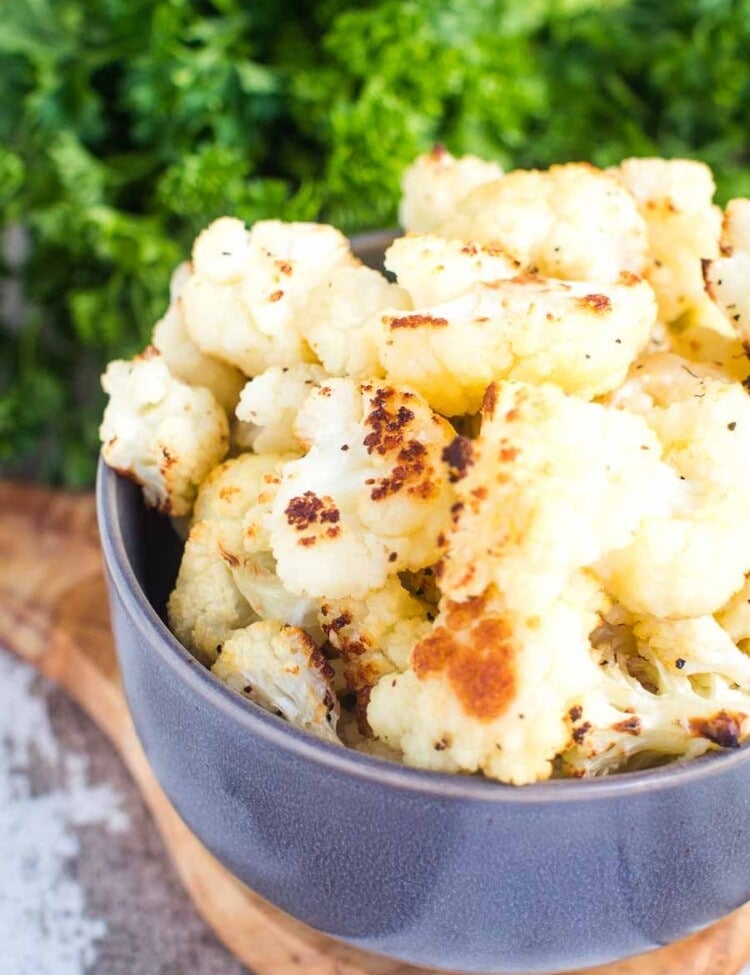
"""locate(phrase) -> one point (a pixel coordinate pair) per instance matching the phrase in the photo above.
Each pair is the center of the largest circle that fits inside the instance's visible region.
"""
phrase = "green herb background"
(126, 125)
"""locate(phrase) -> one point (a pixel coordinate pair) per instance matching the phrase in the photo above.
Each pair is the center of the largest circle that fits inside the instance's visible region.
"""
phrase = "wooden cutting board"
(54, 614)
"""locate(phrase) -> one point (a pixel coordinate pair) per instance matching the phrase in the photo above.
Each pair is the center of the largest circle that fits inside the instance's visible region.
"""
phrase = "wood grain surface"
(54, 614)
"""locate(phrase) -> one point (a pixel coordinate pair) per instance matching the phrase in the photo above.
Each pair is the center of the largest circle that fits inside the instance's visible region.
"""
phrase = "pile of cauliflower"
(485, 514)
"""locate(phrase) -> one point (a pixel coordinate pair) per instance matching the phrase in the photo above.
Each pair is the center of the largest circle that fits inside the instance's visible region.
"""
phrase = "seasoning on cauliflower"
(247, 286)
(433, 269)
(549, 487)
(727, 277)
(369, 498)
(574, 222)
(185, 359)
(666, 689)
(582, 336)
(374, 634)
(159, 431)
(341, 316)
(703, 424)
(434, 185)
(489, 689)
(269, 405)
(281, 669)
(674, 196)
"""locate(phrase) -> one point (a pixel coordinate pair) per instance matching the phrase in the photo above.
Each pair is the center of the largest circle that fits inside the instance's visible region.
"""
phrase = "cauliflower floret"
(159, 431)
(340, 320)
(703, 424)
(434, 270)
(674, 197)
(206, 605)
(220, 587)
(714, 345)
(573, 222)
(281, 669)
(663, 691)
(185, 359)
(374, 634)
(241, 302)
(269, 405)
(434, 185)
(581, 336)
(550, 485)
(727, 278)
(489, 689)
(368, 499)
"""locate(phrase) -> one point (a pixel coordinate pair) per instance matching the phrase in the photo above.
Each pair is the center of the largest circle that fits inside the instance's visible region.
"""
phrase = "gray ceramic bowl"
(443, 871)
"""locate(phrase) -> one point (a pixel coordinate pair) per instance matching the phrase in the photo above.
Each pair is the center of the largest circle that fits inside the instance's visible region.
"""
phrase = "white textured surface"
(45, 925)
(79, 893)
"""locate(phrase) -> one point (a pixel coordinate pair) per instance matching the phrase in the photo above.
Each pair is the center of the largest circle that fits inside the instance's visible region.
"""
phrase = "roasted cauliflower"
(269, 405)
(340, 320)
(183, 357)
(160, 432)
(282, 670)
(574, 222)
(582, 336)
(371, 491)
(247, 287)
(434, 185)
(484, 512)
(702, 421)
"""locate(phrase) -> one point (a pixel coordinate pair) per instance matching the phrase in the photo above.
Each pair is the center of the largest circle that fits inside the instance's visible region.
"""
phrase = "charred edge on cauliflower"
(723, 729)
(458, 455)
(476, 654)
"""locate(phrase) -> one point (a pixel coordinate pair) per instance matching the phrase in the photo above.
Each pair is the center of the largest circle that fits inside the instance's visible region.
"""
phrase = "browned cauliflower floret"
(675, 197)
(368, 499)
(574, 222)
(582, 336)
(247, 287)
(702, 422)
(550, 485)
(666, 689)
(373, 635)
(221, 587)
(434, 185)
(281, 669)
(160, 432)
(489, 689)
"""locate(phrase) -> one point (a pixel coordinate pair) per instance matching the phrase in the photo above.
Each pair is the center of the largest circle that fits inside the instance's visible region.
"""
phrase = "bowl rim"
(251, 717)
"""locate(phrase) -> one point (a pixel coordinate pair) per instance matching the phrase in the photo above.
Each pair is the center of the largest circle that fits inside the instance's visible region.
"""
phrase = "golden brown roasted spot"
(412, 471)
(476, 654)
(308, 509)
(597, 303)
(387, 421)
(416, 321)
(723, 729)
